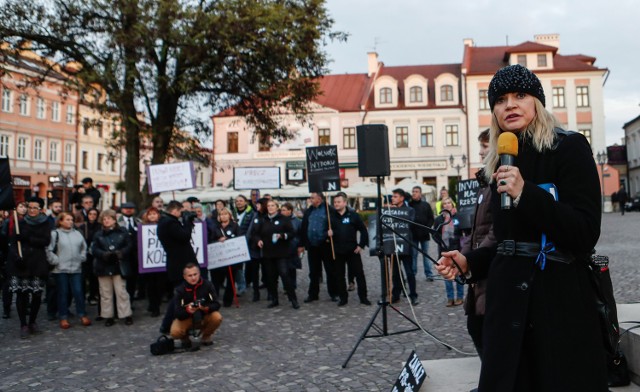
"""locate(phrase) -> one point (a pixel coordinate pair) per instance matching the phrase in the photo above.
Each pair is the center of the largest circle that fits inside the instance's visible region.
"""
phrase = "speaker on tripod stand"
(373, 150)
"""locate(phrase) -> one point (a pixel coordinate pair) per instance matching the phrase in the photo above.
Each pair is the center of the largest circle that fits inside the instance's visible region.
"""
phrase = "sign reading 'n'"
(323, 169)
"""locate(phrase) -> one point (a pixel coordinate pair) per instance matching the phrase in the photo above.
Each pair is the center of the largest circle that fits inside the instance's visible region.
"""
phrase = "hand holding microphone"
(508, 178)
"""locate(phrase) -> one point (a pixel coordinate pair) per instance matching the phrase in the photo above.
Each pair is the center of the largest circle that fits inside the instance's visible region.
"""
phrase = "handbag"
(163, 345)
(605, 302)
(617, 370)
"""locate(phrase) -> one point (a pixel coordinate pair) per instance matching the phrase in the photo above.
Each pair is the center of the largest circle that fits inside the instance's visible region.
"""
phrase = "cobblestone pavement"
(260, 349)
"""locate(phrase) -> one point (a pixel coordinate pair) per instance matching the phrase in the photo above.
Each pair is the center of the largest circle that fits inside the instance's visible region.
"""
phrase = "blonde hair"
(227, 211)
(61, 216)
(539, 130)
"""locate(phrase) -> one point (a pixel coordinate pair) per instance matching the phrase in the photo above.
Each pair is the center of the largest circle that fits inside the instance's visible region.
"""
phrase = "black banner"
(323, 169)
(468, 193)
(412, 375)
(391, 242)
(6, 188)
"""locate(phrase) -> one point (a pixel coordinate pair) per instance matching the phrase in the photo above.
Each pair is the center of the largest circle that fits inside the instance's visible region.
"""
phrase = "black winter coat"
(423, 216)
(176, 241)
(547, 316)
(35, 235)
(345, 232)
(264, 230)
(109, 249)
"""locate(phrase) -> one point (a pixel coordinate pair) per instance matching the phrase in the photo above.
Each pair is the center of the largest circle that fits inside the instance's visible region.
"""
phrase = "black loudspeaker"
(373, 150)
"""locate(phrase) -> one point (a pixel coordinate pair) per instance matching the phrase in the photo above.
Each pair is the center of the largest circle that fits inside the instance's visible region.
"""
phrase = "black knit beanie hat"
(514, 78)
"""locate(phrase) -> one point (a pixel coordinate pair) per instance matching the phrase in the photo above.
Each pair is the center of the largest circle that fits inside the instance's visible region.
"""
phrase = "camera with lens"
(197, 303)
(189, 216)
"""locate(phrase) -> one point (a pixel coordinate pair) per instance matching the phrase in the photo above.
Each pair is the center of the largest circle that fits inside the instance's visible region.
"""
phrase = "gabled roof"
(345, 93)
(487, 60)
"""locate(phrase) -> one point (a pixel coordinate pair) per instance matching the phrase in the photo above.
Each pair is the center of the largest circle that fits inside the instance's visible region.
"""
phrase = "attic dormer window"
(385, 95)
(446, 93)
(415, 94)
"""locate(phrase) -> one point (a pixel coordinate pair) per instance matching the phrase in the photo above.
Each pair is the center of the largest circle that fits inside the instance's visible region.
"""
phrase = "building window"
(324, 137)
(85, 126)
(415, 94)
(24, 105)
(85, 160)
(55, 111)
(264, 143)
(4, 145)
(586, 133)
(37, 150)
(6, 100)
(99, 128)
(70, 114)
(68, 153)
(112, 161)
(53, 152)
(558, 97)
(483, 100)
(232, 142)
(22, 148)
(582, 96)
(402, 137)
(41, 109)
(349, 138)
(426, 136)
(542, 60)
(451, 134)
(385, 95)
(99, 162)
(446, 92)
(522, 59)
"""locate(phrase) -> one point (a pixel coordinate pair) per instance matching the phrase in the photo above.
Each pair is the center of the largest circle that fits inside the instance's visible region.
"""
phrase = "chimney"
(468, 42)
(372, 62)
(548, 39)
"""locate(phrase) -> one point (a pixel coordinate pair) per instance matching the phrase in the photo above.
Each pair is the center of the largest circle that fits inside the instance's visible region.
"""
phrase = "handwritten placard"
(171, 177)
(229, 252)
(412, 375)
(151, 254)
(323, 169)
(256, 178)
(468, 193)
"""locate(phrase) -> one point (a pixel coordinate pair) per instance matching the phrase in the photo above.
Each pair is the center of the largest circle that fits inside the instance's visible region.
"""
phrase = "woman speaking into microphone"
(541, 329)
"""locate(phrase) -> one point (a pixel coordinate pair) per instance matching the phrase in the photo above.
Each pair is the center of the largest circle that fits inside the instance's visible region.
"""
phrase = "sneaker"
(414, 301)
(24, 332)
(128, 320)
(342, 302)
(85, 321)
(64, 324)
(352, 286)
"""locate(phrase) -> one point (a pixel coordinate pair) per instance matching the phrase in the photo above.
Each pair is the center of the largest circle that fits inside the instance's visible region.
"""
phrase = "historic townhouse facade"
(632, 141)
(433, 112)
(38, 125)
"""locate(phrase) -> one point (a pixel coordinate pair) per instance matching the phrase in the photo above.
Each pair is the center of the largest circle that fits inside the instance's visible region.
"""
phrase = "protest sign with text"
(323, 170)
(230, 251)
(412, 375)
(256, 178)
(151, 254)
(171, 177)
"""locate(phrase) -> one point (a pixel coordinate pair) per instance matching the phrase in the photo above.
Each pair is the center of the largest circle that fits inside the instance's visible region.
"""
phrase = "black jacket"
(35, 236)
(266, 228)
(553, 308)
(424, 216)
(109, 248)
(187, 294)
(345, 230)
(176, 241)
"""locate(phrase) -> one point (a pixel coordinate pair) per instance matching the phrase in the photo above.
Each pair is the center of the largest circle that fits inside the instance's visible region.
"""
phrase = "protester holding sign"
(225, 229)
(155, 281)
(272, 234)
(398, 198)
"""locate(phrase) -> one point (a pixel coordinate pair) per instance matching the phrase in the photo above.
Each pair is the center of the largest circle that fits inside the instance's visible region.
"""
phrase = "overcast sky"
(411, 32)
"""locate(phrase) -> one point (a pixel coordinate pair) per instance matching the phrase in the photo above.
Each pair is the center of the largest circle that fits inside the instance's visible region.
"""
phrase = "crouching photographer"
(196, 306)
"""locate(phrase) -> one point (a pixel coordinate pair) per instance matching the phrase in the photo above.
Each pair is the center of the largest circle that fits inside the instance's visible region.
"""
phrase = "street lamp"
(458, 167)
(601, 158)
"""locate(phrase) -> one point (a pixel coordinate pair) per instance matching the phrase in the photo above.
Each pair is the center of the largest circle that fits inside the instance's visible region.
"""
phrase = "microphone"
(508, 151)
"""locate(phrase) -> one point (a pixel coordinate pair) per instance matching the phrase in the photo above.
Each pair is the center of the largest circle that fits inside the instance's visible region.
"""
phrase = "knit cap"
(514, 79)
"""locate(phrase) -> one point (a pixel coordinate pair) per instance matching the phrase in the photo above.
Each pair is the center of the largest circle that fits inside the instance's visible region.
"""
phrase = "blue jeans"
(64, 282)
(448, 284)
(424, 245)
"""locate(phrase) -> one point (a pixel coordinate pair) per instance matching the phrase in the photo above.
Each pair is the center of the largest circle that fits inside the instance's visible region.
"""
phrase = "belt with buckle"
(532, 249)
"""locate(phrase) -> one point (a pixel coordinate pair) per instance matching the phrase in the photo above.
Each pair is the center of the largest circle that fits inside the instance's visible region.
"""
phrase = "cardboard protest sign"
(323, 170)
(392, 243)
(412, 375)
(468, 193)
(171, 177)
(151, 254)
(256, 178)
(229, 252)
